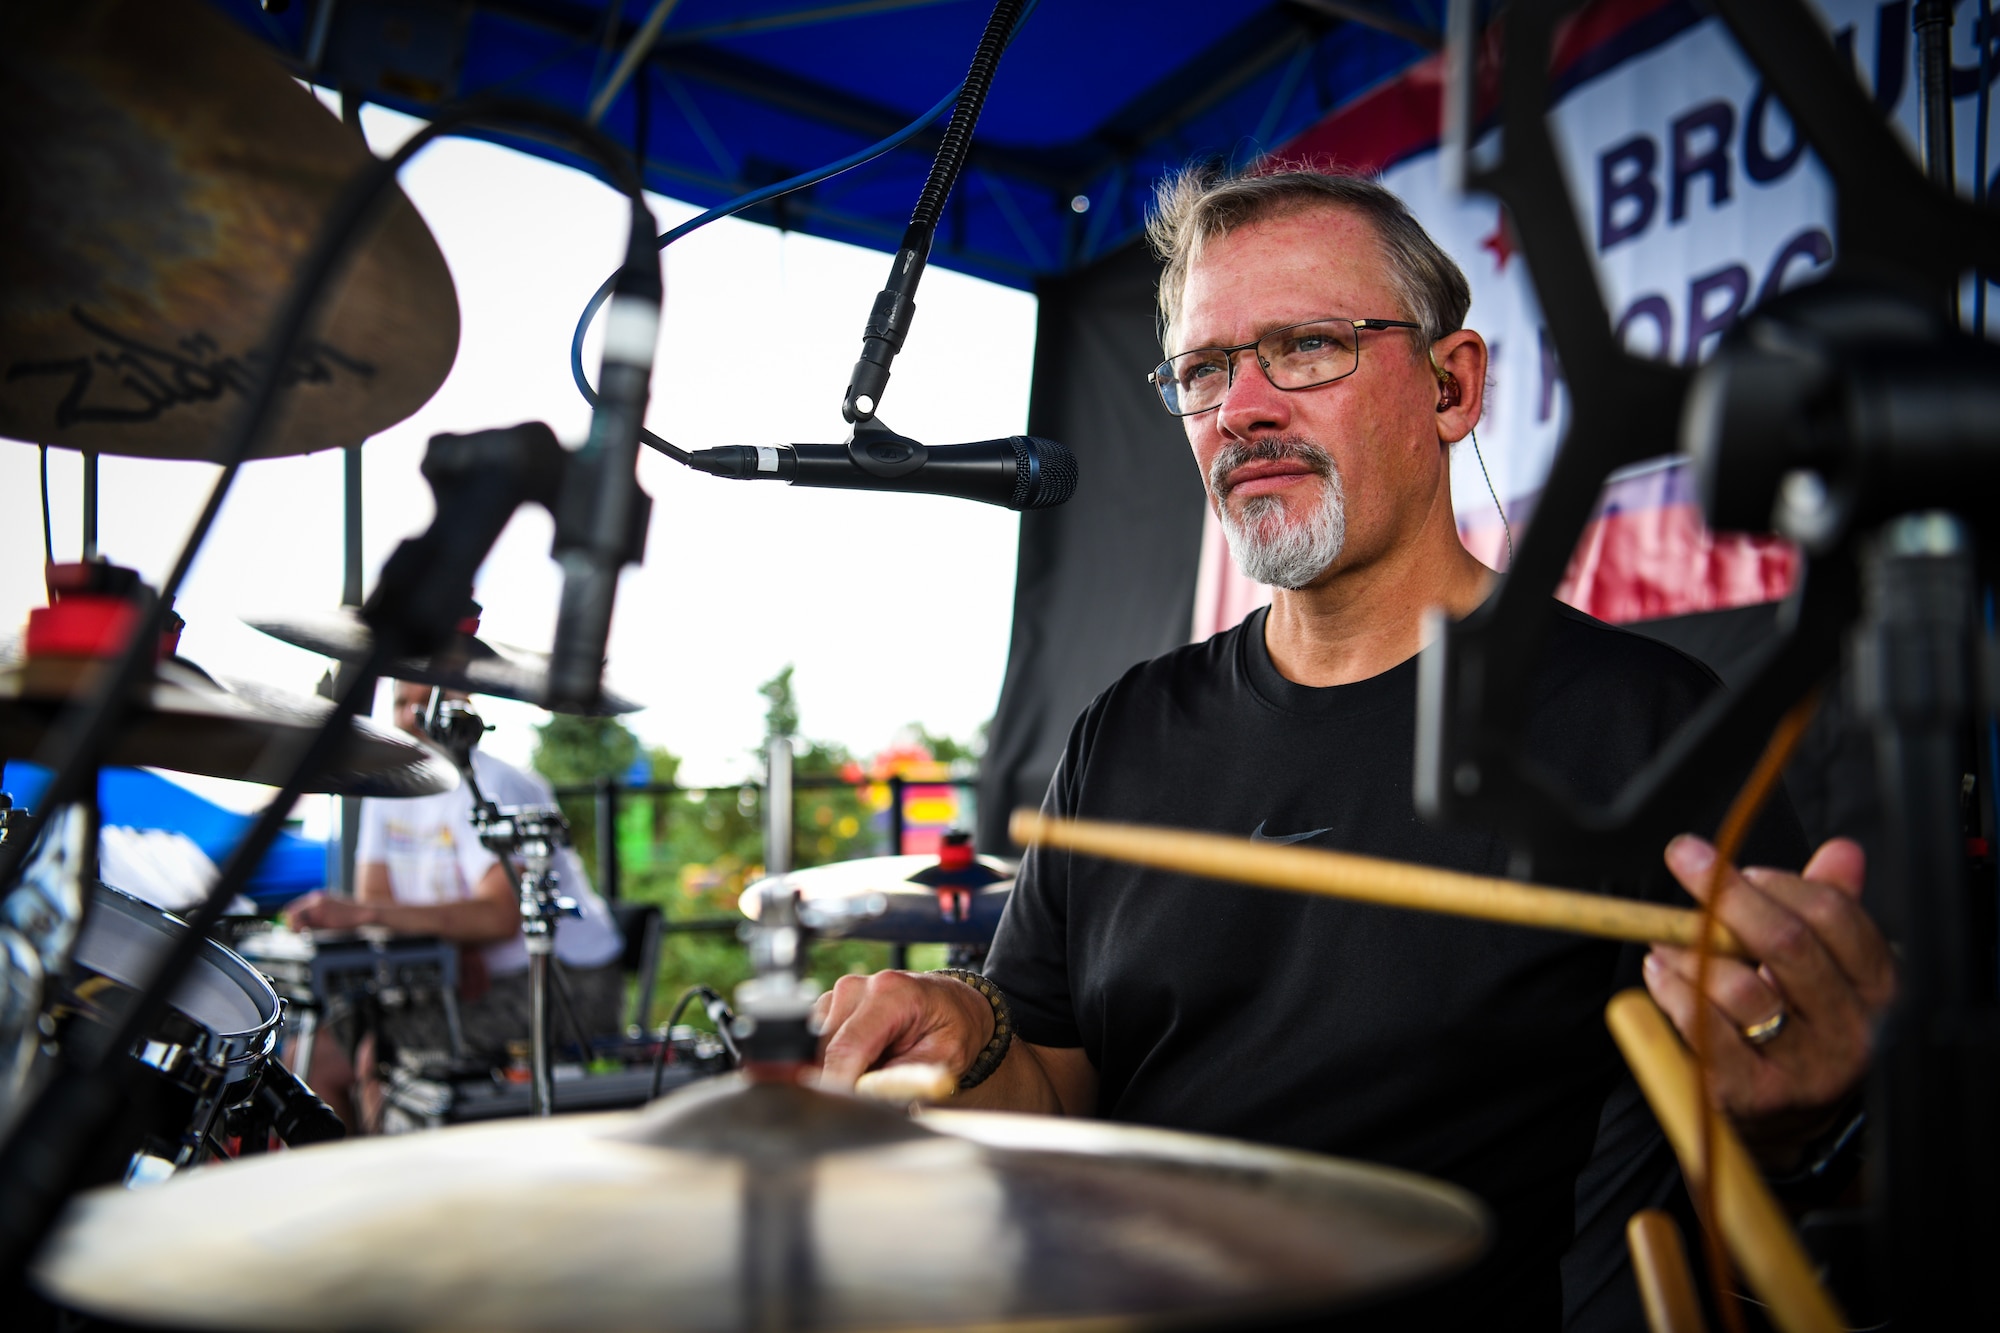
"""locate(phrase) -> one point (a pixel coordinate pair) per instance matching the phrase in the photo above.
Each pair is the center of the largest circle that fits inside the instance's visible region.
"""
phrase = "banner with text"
(1699, 201)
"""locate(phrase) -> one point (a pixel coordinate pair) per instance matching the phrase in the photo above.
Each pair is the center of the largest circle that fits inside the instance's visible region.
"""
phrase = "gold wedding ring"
(1759, 1034)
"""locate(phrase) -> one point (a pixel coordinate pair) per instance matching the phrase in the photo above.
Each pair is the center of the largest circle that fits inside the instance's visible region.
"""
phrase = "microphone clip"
(880, 452)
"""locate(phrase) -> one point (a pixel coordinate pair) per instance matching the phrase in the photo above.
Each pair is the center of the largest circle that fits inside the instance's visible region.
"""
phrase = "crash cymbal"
(730, 1206)
(879, 898)
(189, 722)
(164, 177)
(469, 664)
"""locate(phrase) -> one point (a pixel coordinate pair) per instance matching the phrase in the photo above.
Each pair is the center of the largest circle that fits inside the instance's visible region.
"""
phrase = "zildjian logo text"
(150, 380)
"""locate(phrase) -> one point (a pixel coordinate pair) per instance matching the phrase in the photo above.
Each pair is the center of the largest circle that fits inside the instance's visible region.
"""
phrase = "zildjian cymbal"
(189, 722)
(737, 1206)
(164, 177)
(468, 663)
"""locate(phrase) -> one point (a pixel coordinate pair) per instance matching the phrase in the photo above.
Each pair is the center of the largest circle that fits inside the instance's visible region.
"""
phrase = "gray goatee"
(1267, 546)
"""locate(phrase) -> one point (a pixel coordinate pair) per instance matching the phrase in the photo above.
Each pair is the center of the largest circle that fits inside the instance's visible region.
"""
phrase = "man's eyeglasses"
(1298, 356)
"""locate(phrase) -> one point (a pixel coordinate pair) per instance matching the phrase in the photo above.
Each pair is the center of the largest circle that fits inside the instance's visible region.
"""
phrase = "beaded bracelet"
(995, 1051)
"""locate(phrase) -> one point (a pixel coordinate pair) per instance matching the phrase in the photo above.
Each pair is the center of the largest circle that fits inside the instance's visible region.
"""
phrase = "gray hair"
(1201, 202)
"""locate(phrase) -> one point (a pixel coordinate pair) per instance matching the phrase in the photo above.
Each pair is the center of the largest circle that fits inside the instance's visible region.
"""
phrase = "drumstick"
(1371, 879)
(1750, 1220)
(1660, 1263)
(901, 1085)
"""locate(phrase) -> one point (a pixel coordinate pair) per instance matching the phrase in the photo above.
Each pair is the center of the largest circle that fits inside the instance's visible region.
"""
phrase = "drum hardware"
(1855, 416)
(282, 1105)
(12, 820)
(39, 924)
(480, 480)
(534, 834)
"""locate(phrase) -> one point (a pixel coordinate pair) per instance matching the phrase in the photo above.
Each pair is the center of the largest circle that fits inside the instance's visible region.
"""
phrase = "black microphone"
(601, 514)
(1020, 472)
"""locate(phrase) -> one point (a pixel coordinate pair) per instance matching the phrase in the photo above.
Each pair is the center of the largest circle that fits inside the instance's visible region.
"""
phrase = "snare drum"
(203, 1054)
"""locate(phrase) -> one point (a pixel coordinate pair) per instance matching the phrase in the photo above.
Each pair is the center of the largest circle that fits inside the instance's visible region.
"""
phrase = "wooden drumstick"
(901, 1085)
(1371, 879)
(1752, 1224)
(1659, 1262)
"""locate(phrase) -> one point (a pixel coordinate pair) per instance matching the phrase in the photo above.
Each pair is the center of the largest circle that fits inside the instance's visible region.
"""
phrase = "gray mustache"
(1271, 449)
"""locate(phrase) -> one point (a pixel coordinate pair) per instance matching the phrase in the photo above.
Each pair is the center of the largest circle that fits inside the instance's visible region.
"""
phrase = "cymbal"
(190, 722)
(165, 178)
(908, 912)
(728, 1206)
(469, 664)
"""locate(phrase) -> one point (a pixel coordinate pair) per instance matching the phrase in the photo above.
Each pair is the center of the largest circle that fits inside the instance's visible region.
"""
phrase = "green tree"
(705, 847)
(782, 717)
(572, 749)
(576, 751)
(948, 751)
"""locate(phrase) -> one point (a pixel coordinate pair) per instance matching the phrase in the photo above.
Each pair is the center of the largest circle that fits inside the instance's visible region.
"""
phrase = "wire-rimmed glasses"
(1298, 356)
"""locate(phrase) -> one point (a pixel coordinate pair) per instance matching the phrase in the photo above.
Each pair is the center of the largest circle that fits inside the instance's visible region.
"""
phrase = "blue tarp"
(1093, 102)
(135, 798)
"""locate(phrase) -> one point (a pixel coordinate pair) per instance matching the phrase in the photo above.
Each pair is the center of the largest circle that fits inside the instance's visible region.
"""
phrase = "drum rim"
(236, 1051)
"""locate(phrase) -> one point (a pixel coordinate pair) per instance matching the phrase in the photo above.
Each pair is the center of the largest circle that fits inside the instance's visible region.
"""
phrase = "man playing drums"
(1318, 362)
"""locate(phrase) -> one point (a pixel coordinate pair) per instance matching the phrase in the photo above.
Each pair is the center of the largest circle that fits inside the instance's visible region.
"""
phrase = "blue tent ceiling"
(1094, 101)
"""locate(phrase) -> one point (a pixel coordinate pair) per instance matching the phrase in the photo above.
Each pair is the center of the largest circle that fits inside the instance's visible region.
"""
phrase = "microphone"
(601, 514)
(1020, 472)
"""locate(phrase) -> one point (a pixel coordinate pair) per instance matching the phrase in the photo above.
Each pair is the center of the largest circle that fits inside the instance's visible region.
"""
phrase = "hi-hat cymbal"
(188, 722)
(728, 1206)
(164, 177)
(879, 898)
(469, 664)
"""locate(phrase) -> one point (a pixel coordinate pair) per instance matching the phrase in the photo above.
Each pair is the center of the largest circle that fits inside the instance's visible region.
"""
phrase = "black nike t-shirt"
(1469, 1051)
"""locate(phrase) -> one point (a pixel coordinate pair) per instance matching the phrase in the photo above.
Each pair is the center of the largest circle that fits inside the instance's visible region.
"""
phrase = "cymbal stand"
(774, 1035)
(533, 834)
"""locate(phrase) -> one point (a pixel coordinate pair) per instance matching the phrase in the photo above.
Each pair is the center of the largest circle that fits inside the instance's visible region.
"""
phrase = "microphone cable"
(784, 187)
(718, 1013)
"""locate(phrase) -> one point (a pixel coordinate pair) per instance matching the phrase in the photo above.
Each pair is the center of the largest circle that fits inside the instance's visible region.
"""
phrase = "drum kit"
(195, 175)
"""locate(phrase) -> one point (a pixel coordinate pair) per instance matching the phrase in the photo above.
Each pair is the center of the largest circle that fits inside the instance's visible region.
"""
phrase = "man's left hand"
(319, 911)
(1823, 974)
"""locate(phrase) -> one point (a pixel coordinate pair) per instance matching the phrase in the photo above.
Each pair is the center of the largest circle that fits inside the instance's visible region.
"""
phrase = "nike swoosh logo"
(1258, 835)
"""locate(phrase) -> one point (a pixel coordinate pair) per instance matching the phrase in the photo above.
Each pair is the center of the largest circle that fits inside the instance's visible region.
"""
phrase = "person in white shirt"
(421, 870)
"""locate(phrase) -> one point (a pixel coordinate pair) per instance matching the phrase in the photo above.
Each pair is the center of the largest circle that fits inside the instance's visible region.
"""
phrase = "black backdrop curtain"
(1106, 580)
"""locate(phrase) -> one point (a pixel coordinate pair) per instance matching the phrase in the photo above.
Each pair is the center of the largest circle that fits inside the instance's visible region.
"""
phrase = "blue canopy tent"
(135, 798)
(1092, 104)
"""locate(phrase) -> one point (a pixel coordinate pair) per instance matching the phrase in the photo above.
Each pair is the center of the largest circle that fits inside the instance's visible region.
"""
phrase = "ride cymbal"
(731, 1206)
(164, 176)
(909, 910)
(469, 663)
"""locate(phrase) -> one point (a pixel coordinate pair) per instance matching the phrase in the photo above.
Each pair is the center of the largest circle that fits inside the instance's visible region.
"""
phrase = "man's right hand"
(321, 911)
(899, 1018)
